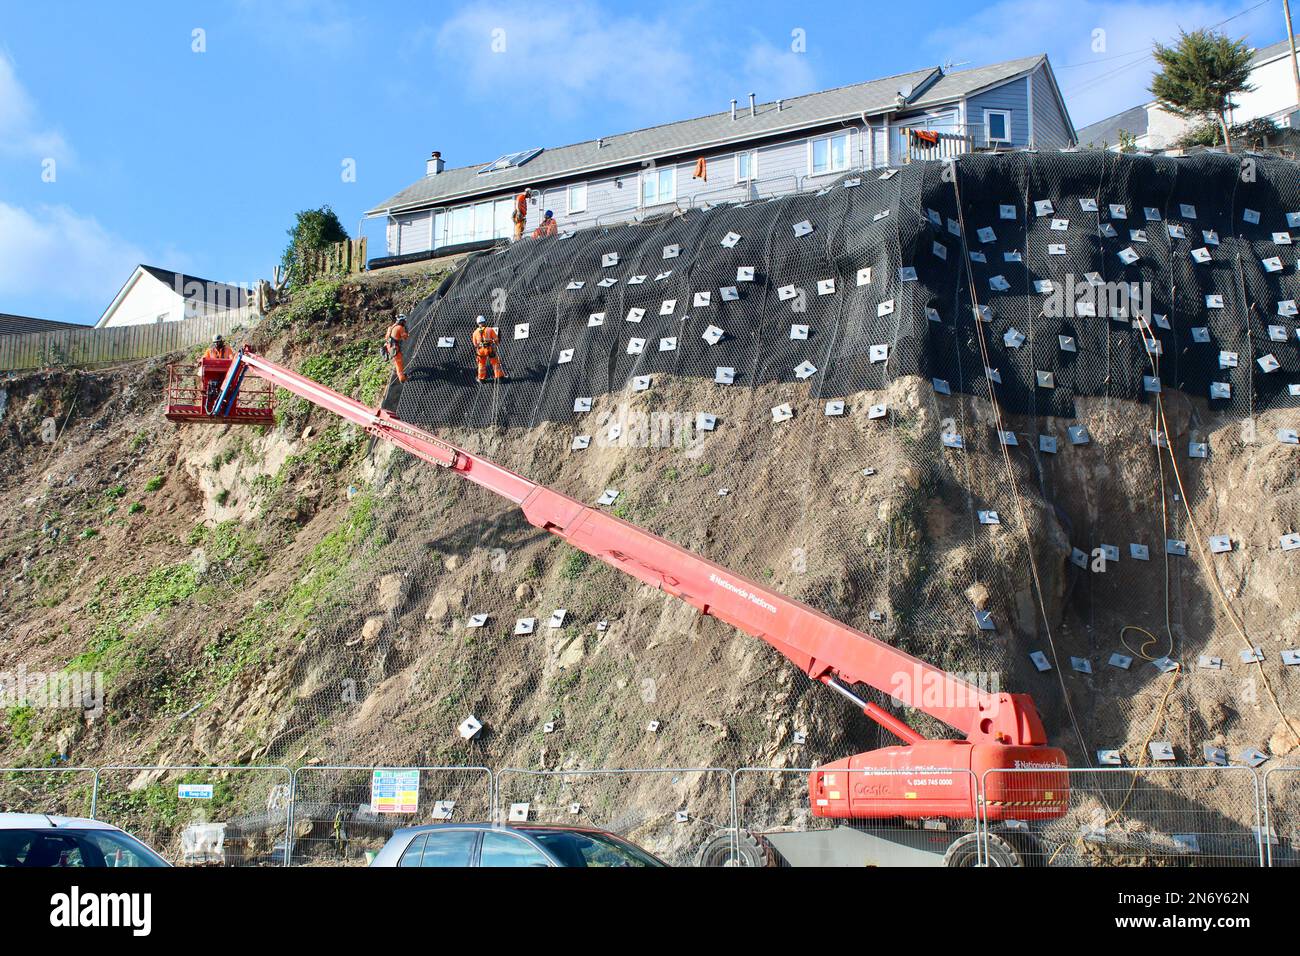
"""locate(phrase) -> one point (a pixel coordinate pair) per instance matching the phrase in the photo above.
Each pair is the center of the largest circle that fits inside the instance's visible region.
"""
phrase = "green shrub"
(154, 483)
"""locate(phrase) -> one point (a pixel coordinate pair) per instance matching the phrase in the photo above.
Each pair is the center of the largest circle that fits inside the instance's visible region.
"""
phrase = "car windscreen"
(578, 849)
(74, 848)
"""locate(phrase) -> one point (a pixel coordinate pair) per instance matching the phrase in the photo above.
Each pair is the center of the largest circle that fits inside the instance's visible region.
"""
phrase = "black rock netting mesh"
(1065, 269)
(871, 516)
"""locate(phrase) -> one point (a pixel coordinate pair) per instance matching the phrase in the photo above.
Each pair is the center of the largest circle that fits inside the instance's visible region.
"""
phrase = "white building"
(1151, 127)
(156, 295)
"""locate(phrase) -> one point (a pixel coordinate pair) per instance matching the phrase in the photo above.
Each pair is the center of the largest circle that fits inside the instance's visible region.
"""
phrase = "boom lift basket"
(216, 391)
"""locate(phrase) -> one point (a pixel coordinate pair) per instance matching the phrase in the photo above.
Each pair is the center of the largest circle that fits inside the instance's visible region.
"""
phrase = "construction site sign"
(395, 791)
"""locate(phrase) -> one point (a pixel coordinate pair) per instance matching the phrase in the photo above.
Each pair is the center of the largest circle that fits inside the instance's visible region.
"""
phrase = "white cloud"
(1096, 83)
(56, 256)
(21, 132)
(583, 59)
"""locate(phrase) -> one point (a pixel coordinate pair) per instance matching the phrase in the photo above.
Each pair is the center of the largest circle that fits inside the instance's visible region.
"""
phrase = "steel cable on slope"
(1162, 427)
(1006, 458)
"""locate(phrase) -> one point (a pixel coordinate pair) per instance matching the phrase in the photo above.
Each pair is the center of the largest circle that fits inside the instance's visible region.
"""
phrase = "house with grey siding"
(750, 150)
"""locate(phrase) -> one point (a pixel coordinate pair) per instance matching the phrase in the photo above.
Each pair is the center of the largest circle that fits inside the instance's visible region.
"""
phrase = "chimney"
(733, 111)
(778, 105)
(751, 104)
(434, 165)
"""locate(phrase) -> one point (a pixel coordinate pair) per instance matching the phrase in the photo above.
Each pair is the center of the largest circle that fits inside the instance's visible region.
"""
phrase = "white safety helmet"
(480, 321)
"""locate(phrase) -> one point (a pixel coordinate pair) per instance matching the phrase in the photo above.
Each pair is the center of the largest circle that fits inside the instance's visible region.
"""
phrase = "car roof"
(519, 827)
(47, 821)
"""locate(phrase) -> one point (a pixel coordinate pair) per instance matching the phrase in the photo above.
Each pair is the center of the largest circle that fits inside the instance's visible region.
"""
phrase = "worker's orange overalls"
(213, 382)
(397, 334)
(546, 229)
(520, 215)
(486, 340)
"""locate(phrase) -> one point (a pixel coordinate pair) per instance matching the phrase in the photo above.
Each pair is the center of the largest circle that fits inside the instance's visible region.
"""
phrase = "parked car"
(486, 844)
(40, 840)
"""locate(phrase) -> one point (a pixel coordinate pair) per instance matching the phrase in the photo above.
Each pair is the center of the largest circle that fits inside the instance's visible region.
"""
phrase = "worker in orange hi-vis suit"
(219, 349)
(548, 227)
(520, 215)
(397, 334)
(486, 340)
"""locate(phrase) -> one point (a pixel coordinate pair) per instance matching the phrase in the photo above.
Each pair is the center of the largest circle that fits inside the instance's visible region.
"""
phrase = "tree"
(1254, 134)
(315, 230)
(1200, 74)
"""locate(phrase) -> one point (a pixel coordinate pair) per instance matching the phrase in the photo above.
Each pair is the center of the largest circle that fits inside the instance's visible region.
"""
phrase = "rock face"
(342, 637)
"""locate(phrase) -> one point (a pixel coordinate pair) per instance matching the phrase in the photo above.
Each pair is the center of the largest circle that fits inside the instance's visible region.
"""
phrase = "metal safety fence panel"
(201, 816)
(60, 791)
(1131, 816)
(780, 823)
(342, 816)
(684, 816)
(1281, 833)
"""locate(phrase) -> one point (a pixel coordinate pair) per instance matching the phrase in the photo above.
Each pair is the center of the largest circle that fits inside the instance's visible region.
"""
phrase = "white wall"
(1274, 91)
(146, 302)
(1163, 129)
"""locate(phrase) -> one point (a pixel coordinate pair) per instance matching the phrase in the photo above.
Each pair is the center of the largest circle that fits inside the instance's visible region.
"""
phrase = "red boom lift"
(1002, 730)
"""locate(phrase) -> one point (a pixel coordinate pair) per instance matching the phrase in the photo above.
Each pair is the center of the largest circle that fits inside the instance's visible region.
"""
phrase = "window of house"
(997, 126)
(462, 225)
(829, 154)
(577, 197)
(746, 166)
(503, 225)
(482, 221)
(658, 186)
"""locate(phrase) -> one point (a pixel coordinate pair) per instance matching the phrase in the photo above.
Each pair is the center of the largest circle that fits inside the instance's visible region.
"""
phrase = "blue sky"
(196, 161)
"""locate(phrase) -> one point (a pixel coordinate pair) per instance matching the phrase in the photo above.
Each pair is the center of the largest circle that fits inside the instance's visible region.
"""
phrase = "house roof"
(1133, 121)
(962, 83)
(18, 324)
(185, 285)
(928, 87)
(1271, 52)
(182, 282)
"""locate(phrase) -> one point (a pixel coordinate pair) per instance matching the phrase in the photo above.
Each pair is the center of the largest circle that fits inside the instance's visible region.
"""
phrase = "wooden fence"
(90, 346)
(342, 258)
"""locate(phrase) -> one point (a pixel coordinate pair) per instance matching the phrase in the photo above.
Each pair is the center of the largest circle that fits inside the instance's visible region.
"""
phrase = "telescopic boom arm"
(822, 647)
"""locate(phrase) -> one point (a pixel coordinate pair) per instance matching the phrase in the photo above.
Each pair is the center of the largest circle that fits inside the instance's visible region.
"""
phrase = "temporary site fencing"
(672, 812)
(708, 816)
(231, 816)
(1281, 833)
(342, 813)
